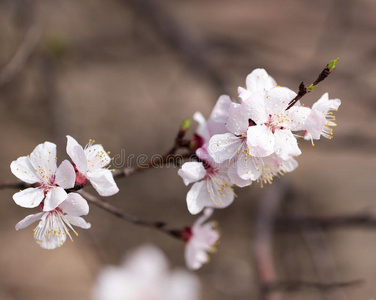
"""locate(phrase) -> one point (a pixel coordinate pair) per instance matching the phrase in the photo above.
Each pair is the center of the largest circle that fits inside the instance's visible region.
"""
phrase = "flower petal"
(197, 197)
(220, 111)
(75, 205)
(78, 221)
(43, 159)
(96, 157)
(25, 222)
(224, 146)
(77, 154)
(260, 140)
(324, 104)
(54, 197)
(278, 99)
(235, 178)
(30, 197)
(258, 80)
(192, 171)
(65, 175)
(24, 170)
(237, 121)
(248, 167)
(286, 145)
(103, 181)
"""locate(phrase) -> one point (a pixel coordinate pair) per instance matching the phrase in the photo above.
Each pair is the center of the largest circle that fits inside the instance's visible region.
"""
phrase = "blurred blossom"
(145, 275)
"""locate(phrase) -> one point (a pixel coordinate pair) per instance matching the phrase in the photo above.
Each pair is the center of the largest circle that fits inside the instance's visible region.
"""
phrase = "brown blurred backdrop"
(126, 73)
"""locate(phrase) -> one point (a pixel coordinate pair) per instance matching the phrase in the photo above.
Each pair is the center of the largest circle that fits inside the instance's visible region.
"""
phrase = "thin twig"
(157, 225)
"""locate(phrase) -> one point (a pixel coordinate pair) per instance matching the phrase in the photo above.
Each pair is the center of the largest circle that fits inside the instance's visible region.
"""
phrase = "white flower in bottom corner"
(54, 226)
(145, 275)
(200, 238)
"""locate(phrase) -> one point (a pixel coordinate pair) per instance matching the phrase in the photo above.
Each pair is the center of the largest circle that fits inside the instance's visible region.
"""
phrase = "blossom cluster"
(52, 188)
(254, 139)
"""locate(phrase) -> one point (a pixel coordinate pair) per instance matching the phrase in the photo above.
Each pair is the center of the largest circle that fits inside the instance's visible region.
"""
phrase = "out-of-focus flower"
(54, 226)
(200, 239)
(321, 119)
(40, 169)
(145, 275)
(211, 188)
(90, 163)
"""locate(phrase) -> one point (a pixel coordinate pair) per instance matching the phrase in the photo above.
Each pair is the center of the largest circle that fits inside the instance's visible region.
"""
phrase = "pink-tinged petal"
(224, 146)
(219, 190)
(221, 109)
(24, 170)
(195, 258)
(243, 93)
(278, 99)
(237, 121)
(207, 213)
(43, 159)
(30, 219)
(78, 221)
(249, 167)
(324, 104)
(196, 197)
(298, 116)
(65, 175)
(97, 157)
(259, 80)
(54, 197)
(315, 124)
(77, 154)
(202, 129)
(286, 145)
(260, 141)
(103, 181)
(289, 165)
(30, 197)
(235, 178)
(75, 205)
(192, 172)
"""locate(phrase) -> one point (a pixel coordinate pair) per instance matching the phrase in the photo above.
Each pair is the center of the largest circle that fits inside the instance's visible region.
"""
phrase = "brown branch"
(157, 225)
(304, 90)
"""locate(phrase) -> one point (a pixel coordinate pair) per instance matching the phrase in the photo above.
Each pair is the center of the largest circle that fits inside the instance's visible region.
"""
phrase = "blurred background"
(126, 73)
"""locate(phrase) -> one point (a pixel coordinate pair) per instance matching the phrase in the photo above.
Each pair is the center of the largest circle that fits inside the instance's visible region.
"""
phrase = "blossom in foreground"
(145, 275)
(90, 163)
(49, 182)
(200, 239)
(211, 188)
(54, 226)
(321, 119)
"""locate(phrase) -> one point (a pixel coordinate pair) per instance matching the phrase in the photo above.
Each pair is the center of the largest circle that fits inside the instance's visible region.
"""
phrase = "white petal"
(235, 178)
(248, 167)
(314, 124)
(192, 171)
(255, 109)
(278, 99)
(237, 121)
(221, 109)
(286, 145)
(78, 221)
(298, 116)
(195, 258)
(24, 170)
(97, 157)
(75, 205)
(243, 93)
(54, 197)
(260, 80)
(196, 197)
(65, 175)
(324, 104)
(260, 141)
(182, 285)
(103, 181)
(43, 159)
(49, 240)
(29, 220)
(202, 129)
(224, 146)
(206, 215)
(30, 197)
(77, 154)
